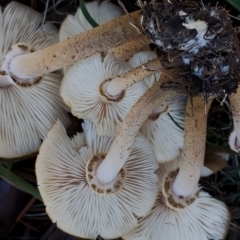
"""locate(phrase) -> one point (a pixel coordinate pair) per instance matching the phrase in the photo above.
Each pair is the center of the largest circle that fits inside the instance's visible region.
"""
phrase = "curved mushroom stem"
(118, 84)
(99, 39)
(235, 105)
(121, 147)
(186, 182)
(127, 50)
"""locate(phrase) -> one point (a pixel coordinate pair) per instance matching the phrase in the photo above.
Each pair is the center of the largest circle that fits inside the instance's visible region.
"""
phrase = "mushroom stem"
(120, 83)
(127, 50)
(186, 182)
(99, 39)
(235, 105)
(121, 147)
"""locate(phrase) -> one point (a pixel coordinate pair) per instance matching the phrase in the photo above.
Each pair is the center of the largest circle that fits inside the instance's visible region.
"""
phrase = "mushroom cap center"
(158, 112)
(6, 78)
(108, 97)
(95, 184)
(173, 201)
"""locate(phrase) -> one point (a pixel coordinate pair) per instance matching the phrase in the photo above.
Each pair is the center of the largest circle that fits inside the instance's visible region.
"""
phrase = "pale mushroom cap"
(27, 113)
(141, 58)
(205, 219)
(232, 141)
(80, 91)
(72, 203)
(164, 135)
(100, 12)
(78, 141)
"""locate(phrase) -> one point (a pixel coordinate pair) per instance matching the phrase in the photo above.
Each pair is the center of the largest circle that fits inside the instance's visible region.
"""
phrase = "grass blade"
(19, 183)
(86, 14)
(235, 4)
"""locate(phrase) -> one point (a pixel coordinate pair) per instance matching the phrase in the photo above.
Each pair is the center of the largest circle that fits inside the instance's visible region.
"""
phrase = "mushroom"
(75, 202)
(27, 112)
(164, 127)
(82, 91)
(234, 138)
(206, 218)
(26, 67)
(182, 210)
(121, 185)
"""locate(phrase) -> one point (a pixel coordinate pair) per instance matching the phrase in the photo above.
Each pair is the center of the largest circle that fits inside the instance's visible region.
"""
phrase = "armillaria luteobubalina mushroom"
(206, 218)
(107, 189)
(27, 112)
(76, 202)
(101, 12)
(234, 138)
(82, 91)
(183, 210)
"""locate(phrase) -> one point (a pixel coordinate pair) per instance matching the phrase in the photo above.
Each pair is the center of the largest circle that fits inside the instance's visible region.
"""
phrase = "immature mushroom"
(82, 91)
(27, 112)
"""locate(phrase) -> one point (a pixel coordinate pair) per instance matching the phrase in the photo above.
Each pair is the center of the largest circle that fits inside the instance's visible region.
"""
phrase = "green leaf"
(86, 14)
(175, 121)
(19, 183)
(235, 4)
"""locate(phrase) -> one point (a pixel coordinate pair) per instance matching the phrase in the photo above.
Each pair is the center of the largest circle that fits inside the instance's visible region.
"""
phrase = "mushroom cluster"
(107, 179)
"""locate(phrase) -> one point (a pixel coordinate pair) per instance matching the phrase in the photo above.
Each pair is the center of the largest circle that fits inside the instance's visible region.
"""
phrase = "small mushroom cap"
(233, 142)
(27, 113)
(71, 202)
(100, 12)
(142, 57)
(205, 219)
(80, 90)
(165, 135)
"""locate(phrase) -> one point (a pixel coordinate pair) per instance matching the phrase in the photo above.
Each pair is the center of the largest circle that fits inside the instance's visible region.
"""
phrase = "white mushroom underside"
(26, 114)
(80, 91)
(164, 134)
(69, 200)
(205, 219)
(100, 12)
(142, 57)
